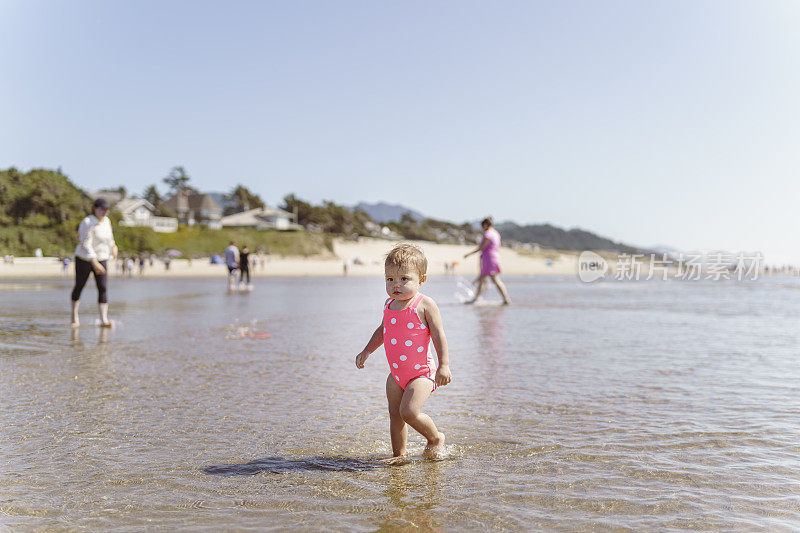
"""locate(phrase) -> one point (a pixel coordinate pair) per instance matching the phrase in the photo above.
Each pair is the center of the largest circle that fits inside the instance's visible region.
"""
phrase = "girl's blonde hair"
(407, 255)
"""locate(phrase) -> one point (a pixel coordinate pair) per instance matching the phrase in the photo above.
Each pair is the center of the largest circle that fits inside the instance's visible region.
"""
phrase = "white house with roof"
(195, 208)
(139, 212)
(261, 218)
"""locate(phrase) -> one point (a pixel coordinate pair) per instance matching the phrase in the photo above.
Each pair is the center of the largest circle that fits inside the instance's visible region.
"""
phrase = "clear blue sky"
(672, 123)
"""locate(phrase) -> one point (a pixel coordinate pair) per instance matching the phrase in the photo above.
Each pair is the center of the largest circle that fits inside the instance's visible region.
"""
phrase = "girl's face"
(402, 283)
(100, 212)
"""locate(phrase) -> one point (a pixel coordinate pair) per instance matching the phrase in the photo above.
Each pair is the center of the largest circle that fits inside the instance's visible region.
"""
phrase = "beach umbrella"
(172, 252)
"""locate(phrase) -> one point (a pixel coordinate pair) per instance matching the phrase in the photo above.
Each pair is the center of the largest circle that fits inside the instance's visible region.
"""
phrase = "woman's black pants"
(82, 271)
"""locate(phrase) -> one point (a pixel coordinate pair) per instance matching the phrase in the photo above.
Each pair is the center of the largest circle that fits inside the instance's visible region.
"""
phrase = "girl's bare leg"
(502, 288)
(397, 426)
(75, 321)
(414, 397)
(103, 308)
(479, 290)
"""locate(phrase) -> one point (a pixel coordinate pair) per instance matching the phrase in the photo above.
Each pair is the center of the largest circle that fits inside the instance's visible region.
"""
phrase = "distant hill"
(669, 250)
(561, 239)
(383, 212)
(544, 235)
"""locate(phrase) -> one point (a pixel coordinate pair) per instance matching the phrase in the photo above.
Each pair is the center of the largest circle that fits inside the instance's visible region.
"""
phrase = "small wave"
(281, 465)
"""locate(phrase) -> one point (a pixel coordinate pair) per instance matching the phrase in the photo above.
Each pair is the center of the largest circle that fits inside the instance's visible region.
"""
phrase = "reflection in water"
(414, 491)
(492, 330)
(75, 336)
(488, 362)
(102, 335)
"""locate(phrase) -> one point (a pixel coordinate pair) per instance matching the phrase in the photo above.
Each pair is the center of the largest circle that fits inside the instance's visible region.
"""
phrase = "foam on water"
(464, 291)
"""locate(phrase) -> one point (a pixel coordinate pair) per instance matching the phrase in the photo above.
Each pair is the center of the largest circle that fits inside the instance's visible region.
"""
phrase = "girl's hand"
(361, 358)
(443, 375)
(97, 267)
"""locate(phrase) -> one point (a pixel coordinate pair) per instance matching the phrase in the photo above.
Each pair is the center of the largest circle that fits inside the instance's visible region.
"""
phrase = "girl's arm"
(434, 320)
(374, 342)
(484, 243)
(114, 249)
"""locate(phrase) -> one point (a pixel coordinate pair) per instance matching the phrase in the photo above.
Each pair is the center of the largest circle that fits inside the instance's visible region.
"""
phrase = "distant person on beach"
(232, 262)
(95, 247)
(410, 322)
(244, 265)
(490, 261)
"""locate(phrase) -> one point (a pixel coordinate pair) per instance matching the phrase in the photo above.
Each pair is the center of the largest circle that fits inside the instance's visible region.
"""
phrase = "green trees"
(431, 229)
(243, 200)
(40, 198)
(178, 180)
(553, 237)
(39, 209)
(121, 190)
(42, 209)
(136, 239)
(333, 218)
(330, 217)
(151, 195)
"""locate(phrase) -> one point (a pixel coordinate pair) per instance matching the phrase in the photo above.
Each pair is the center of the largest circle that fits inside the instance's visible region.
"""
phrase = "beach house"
(262, 218)
(195, 208)
(139, 212)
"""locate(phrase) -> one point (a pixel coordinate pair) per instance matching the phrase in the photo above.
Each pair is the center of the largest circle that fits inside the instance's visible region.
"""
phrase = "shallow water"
(646, 405)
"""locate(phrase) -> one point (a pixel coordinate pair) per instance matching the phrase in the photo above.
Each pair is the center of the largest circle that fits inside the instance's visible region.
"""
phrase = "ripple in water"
(646, 407)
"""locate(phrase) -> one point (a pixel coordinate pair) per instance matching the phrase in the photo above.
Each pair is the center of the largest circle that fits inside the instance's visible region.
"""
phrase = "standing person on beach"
(490, 260)
(232, 262)
(95, 247)
(244, 265)
(410, 322)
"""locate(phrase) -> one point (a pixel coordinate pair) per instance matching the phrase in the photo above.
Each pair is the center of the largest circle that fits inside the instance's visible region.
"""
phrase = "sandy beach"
(363, 257)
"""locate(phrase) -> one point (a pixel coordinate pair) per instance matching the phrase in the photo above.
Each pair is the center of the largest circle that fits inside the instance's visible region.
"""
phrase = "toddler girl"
(410, 321)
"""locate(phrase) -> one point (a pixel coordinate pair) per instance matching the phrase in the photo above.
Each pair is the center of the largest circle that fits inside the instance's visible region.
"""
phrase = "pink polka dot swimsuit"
(407, 341)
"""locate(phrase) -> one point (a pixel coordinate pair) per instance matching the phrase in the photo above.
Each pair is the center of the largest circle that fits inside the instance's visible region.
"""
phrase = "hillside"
(553, 237)
(42, 209)
(546, 235)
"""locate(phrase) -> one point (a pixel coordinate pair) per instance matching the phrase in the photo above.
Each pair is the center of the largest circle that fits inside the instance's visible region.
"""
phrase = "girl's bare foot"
(108, 324)
(435, 448)
(75, 324)
(397, 460)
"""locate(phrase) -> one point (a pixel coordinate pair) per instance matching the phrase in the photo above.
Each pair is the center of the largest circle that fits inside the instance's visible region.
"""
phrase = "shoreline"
(363, 257)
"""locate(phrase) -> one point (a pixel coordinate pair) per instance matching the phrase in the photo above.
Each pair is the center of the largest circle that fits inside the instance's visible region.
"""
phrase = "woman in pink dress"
(490, 260)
